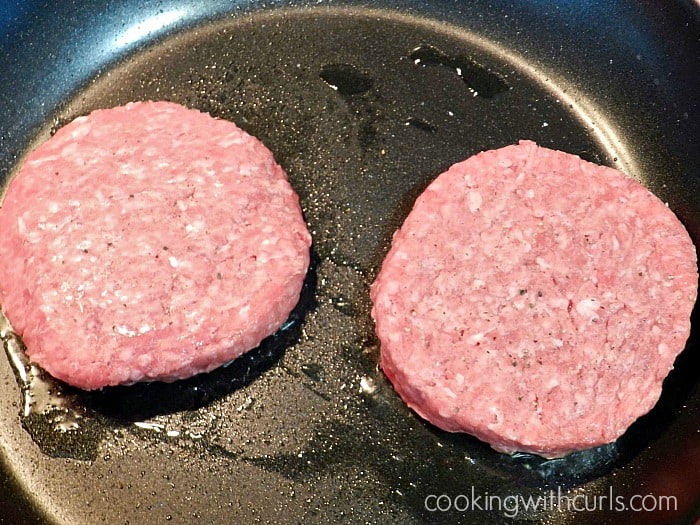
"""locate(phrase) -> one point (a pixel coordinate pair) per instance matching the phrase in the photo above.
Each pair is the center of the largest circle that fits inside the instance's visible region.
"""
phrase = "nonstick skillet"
(363, 104)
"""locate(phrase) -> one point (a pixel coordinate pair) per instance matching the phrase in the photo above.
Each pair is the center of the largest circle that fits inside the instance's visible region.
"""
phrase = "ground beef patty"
(148, 242)
(534, 300)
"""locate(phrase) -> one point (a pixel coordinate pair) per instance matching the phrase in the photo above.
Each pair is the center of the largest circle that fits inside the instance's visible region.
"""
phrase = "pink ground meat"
(534, 300)
(148, 242)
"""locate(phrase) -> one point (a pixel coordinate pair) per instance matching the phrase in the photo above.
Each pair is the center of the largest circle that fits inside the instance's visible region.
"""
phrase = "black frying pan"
(306, 429)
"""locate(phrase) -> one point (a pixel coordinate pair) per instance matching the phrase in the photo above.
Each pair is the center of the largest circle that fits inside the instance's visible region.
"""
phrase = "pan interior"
(363, 109)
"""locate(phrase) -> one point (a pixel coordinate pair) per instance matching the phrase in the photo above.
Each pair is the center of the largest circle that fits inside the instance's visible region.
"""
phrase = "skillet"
(363, 105)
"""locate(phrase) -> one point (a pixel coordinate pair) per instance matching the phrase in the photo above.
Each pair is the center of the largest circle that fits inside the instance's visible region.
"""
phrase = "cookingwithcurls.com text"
(512, 505)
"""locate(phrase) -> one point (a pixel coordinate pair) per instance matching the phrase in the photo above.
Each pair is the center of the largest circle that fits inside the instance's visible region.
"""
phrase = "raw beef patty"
(148, 242)
(534, 300)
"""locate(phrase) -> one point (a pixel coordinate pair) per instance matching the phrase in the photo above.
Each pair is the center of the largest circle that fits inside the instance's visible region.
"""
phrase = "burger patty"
(148, 242)
(534, 300)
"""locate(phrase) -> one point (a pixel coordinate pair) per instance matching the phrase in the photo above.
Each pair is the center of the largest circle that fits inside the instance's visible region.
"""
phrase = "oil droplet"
(346, 79)
(480, 81)
(421, 124)
(246, 404)
(367, 385)
(313, 371)
(153, 427)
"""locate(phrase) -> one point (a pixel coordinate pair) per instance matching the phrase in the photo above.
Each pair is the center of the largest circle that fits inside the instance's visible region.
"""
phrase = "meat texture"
(148, 242)
(534, 300)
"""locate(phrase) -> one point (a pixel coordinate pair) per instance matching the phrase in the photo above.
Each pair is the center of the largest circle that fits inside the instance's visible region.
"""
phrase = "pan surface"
(363, 106)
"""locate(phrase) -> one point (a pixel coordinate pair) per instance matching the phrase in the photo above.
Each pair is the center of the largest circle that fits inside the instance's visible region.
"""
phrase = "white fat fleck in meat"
(248, 169)
(588, 308)
(84, 245)
(195, 227)
(244, 312)
(542, 263)
(123, 330)
(230, 141)
(42, 160)
(474, 201)
(476, 338)
(101, 198)
(70, 151)
(449, 392)
(47, 309)
(552, 383)
(615, 243)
